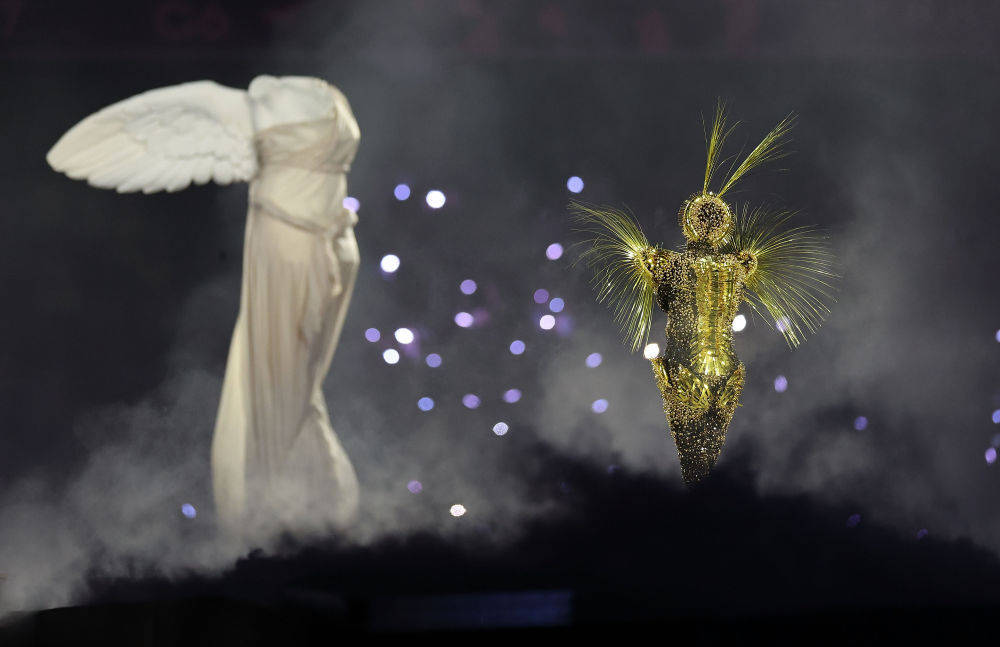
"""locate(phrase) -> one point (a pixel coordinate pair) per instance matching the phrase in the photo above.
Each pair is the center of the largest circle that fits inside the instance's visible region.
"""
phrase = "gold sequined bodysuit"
(731, 259)
(699, 375)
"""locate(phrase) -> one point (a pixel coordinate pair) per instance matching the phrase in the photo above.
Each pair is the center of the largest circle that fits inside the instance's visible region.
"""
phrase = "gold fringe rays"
(714, 142)
(769, 149)
(614, 251)
(793, 282)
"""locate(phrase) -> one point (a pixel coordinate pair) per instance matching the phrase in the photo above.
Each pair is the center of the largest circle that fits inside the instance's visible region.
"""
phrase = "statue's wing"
(793, 282)
(615, 248)
(162, 139)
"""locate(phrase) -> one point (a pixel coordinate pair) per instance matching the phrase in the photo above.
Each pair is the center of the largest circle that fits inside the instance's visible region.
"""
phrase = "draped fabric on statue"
(275, 457)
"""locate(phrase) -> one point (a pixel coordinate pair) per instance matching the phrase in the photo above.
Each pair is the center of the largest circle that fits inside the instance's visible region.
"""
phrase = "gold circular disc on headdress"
(705, 218)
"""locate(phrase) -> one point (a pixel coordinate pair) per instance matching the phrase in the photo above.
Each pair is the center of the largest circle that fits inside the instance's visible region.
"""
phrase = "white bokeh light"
(391, 356)
(352, 204)
(464, 319)
(739, 323)
(651, 351)
(404, 335)
(501, 428)
(435, 199)
(457, 510)
(390, 263)
(574, 184)
(547, 322)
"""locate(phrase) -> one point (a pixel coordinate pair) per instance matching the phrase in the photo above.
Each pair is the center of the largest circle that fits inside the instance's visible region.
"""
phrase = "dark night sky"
(119, 308)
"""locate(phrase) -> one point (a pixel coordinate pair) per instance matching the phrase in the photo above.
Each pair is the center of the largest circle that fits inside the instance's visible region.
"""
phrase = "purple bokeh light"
(921, 533)
(189, 511)
(415, 487)
(470, 400)
(594, 360)
(860, 423)
(468, 286)
(557, 305)
(401, 192)
(517, 347)
(780, 384)
(463, 319)
(991, 455)
(541, 295)
(433, 360)
(554, 251)
(425, 404)
(853, 520)
(511, 396)
(996, 417)
(574, 184)
(352, 204)
(599, 406)
(373, 335)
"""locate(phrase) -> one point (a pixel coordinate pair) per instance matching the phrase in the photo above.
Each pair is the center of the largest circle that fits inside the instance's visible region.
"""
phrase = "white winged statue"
(276, 460)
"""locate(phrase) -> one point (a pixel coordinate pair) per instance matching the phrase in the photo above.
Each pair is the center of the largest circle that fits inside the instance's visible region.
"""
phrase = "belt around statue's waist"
(345, 219)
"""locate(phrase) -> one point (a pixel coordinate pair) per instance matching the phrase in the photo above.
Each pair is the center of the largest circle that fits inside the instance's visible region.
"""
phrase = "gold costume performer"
(783, 273)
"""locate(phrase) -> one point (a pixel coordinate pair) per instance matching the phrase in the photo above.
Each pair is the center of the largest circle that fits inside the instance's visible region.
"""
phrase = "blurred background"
(506, 442)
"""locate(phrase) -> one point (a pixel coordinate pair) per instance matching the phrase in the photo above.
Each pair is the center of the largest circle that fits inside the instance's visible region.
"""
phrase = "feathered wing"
(614, 249)
(163, 139)
(793, 282)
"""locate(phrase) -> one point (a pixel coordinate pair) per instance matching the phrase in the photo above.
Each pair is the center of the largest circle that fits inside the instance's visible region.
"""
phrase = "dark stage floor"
(717, 564)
